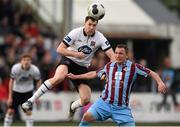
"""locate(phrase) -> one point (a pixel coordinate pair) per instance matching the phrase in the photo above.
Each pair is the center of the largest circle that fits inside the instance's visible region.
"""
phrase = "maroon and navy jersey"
(119, 81)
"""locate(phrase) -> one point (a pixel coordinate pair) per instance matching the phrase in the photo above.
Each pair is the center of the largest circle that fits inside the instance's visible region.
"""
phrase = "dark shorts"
(19, 98)
(75, 69)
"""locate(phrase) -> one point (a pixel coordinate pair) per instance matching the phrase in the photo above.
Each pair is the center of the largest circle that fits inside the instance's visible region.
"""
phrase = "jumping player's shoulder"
(99, 33)
(77, 30)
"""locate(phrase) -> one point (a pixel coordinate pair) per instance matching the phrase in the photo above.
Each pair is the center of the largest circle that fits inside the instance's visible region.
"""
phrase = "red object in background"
(4, 90)
(33, 30)
(57, 105)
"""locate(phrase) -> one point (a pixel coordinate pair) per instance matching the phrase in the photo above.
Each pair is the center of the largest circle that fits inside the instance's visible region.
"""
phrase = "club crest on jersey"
(85, 49)
(93, 43)
(107, 43)
(67, 38)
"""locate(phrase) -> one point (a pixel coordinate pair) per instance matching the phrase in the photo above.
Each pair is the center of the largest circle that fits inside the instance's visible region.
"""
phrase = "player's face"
(90, 27)
(120, 55)
(26, 62)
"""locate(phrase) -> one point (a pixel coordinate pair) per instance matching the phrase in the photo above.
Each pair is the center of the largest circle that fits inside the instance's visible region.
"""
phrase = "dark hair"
(26, 55)
(89, 17)
(123, 46)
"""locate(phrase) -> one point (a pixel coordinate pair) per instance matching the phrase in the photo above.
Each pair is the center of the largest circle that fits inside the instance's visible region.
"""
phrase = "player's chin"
(119, 61)
(90, 33)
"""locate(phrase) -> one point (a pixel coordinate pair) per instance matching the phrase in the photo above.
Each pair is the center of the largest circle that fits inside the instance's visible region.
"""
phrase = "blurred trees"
(173, 5)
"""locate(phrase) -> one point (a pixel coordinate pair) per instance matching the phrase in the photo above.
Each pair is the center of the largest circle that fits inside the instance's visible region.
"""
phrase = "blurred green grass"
(66, 123)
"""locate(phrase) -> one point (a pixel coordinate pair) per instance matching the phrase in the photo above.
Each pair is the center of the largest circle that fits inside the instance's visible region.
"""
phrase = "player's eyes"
(118, 53)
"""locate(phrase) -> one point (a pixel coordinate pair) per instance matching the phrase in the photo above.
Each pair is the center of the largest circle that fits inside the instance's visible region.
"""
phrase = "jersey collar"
(86, 34)
(123, 64)
(24, 68)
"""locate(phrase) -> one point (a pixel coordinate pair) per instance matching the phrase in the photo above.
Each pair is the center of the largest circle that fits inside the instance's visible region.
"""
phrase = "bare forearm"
(65, 52)
(38, 83)
(156, 77)
(89, 75)
(10, 87)
(62, 49)
(161, 86)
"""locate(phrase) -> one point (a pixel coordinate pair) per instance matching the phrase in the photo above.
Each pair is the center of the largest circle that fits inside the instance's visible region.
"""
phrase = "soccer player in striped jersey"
(21, 87)
(114, 101)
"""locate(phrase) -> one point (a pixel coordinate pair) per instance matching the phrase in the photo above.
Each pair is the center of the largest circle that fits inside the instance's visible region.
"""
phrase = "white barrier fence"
(145, 107)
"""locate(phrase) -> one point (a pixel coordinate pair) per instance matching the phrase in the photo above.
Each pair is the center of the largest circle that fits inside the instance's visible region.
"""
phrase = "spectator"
(33, 29)
(168, 76)
(7, 10)
(49, 33)
(40, 46)
(4, 26)
(26, 15)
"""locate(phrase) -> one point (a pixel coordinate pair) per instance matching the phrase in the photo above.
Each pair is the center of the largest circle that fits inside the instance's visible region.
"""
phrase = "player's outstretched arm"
(161, 86)
(38, 83)
(62, 49)
(89, 75)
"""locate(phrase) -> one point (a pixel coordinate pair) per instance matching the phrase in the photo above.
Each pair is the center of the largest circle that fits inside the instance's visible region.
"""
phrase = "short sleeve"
(101, 72)
(70, 38)
(141, 70)
(37, 74)
(13, 72)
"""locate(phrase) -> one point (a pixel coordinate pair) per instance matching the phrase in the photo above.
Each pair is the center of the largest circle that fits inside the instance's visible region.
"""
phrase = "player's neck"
(85, 33)
(121, 63)
(23, 68)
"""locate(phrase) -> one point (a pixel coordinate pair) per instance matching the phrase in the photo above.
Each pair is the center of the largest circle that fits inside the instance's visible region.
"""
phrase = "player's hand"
(103, 77)
(79, 55)
(162, 87)
(72, 76)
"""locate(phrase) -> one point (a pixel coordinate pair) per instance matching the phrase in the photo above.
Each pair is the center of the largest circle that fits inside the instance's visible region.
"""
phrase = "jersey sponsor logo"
(67, 38)
(25, 78)
(80, 40)
(118, 75)
(107, 43)
(93, 43)
(85, 49)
